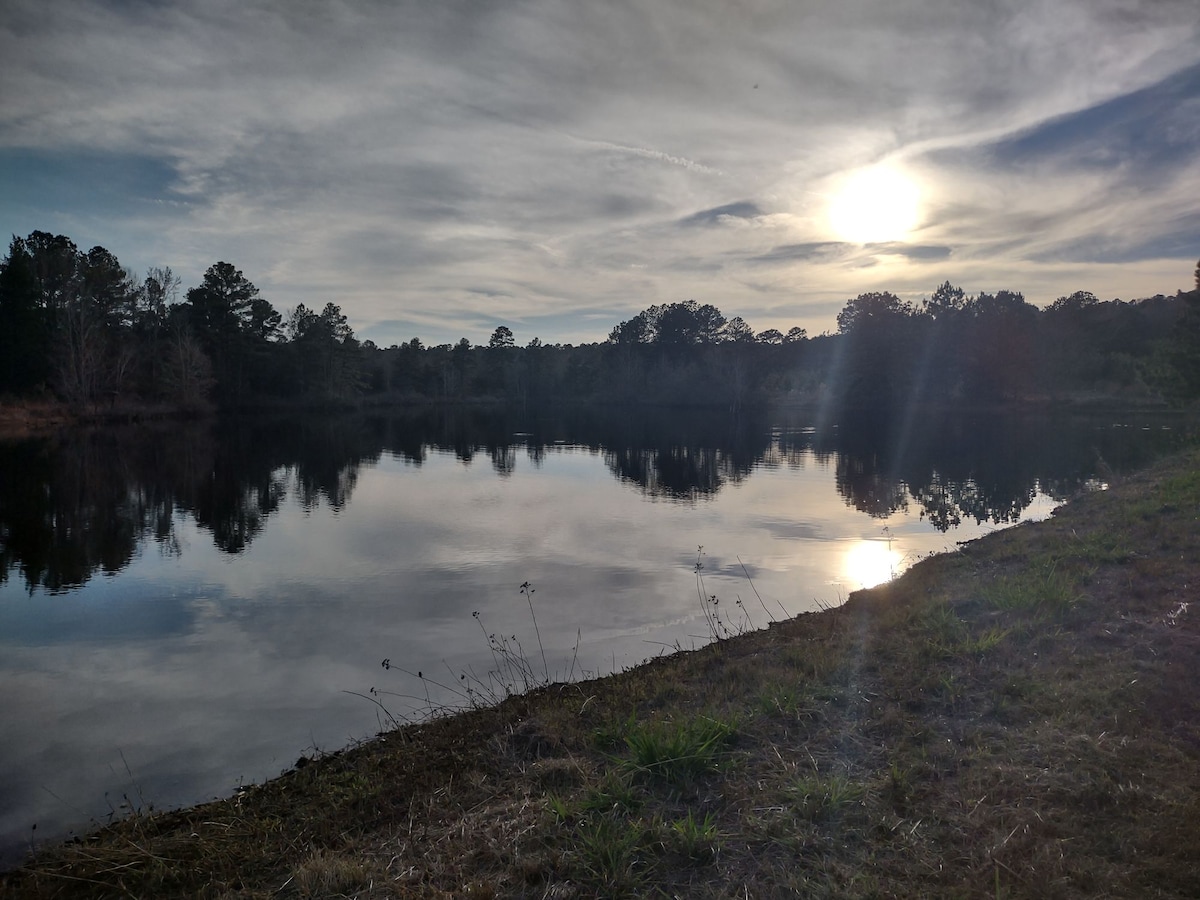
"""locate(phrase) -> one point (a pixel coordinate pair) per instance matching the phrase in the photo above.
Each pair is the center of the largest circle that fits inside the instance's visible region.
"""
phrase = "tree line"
(80, 326)
(83, 327)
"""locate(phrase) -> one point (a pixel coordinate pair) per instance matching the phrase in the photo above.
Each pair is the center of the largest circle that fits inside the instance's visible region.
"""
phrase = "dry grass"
(1018, 719)
(24, 418)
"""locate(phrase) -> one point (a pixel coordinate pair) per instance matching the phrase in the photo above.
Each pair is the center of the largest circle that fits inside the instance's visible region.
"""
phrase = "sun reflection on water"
(870, 563)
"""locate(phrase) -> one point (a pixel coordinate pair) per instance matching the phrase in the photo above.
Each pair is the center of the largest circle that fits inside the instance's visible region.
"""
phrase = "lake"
(187, 607)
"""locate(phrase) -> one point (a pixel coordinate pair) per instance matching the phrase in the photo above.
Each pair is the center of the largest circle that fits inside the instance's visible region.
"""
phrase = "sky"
(441, 167)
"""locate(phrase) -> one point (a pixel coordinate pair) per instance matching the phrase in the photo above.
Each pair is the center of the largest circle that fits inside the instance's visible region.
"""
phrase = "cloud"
(392, 157)
(717, 215)
(823, 251)
(910, 251)
(656, 155)
(1104, 184)
(1150, 130)
(1176, 238)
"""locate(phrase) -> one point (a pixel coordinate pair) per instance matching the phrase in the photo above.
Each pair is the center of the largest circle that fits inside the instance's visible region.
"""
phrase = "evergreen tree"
(235, 327)
(24, 323)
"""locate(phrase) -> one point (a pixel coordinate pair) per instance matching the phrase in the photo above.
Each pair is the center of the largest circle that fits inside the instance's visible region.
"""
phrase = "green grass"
(987, 640)
(1048, 589)
(614, 792)
(678, 752)
(819, 797)
(607, 851)
(696, 839)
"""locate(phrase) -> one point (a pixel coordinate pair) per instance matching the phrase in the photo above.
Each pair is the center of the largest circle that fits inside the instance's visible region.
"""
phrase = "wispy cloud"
(656, 155)
(447, 164)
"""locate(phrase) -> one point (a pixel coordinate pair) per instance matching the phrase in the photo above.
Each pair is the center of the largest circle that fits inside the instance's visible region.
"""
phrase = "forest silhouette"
(79, 327)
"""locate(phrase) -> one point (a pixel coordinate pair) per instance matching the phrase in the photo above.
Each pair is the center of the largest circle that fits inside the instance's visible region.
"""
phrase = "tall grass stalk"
(782, 609)
(710, 618)
(527, 590)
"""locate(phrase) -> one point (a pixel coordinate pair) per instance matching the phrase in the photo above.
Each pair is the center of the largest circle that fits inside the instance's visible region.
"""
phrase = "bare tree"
(187, 374)
(79, 356)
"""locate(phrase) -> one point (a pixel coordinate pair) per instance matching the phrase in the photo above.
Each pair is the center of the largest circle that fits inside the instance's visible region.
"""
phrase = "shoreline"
(25, 418)
(1018, 716)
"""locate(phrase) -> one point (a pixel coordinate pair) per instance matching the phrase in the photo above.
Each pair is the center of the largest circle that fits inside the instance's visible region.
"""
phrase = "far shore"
(28, 417)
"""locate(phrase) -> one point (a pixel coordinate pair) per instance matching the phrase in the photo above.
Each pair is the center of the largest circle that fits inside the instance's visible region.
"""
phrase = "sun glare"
(875, 206)
(869, 563)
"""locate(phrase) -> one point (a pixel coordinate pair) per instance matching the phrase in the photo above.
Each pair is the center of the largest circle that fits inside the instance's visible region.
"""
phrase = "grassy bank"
(29, 418)
(22, 418)
(1018, 719)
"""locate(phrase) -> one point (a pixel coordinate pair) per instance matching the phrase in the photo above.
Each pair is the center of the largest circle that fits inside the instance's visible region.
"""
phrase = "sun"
(875, 205)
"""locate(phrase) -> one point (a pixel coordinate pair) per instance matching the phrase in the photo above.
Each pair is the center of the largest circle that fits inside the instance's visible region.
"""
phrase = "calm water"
(190, 607)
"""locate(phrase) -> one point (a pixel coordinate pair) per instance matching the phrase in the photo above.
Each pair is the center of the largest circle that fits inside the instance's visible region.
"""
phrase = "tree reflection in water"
(88, 501)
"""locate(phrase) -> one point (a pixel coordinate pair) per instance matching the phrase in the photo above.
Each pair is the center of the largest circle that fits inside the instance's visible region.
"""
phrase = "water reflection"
(87, 503)
(220, 586)
(871, 562)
